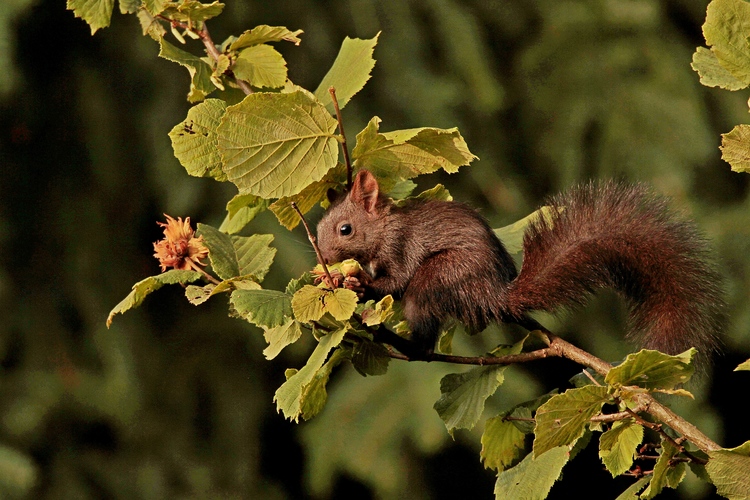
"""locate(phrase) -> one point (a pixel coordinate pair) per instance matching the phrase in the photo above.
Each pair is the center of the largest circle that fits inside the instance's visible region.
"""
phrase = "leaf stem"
(196, 267)
(314, 243)
(332, 91)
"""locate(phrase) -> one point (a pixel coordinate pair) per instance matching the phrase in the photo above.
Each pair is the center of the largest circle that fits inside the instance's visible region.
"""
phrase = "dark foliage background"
(175, 402)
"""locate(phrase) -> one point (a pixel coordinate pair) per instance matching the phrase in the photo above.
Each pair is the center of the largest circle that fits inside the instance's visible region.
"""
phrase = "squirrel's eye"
(345, 229)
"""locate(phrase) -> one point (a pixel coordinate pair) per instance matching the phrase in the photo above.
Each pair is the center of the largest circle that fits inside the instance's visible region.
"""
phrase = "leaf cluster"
(279, 145)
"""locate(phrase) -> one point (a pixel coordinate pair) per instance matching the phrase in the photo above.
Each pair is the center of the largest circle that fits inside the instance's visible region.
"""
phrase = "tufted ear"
(365, 190)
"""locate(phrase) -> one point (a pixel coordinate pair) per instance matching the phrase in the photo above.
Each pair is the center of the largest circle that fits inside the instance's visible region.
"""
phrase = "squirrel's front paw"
(353, 284)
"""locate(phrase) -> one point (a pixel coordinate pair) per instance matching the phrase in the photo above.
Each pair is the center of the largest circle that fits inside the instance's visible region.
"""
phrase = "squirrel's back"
(623, 237)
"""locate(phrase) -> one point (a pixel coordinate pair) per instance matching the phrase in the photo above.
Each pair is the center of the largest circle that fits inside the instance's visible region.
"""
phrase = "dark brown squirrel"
(443, 260)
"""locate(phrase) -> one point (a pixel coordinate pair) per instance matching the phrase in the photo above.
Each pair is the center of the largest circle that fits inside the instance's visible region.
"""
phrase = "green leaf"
(340, 303)
(150, 26)
(349, 72)
(220, 251)
(261, 66)
(288, 397)
(437, 193)
(275, 145)
(729, 470)
(665, 474)
(241, 210)
(370, 358)
(307, 303)
(200, 71)
(533, 477)
(233, 256)
(402, 189)
(97, 13)
(512, 234)
(264, 34)
(726, 30)
(463, 395)
(735, 148)
(314, 395)
(404, 154)
(254, 254)
(652, 370)
(563, 419)
(712, 73)
(379, 313)
(155, 7)
(265, 308)
(197, 295)
(280, 337)
(149, 285)
(194, 140)
(308, 197)
(129, 6)
(190, 11)
(745, 365)
(632, 493)
(502, 443)
(617, 446)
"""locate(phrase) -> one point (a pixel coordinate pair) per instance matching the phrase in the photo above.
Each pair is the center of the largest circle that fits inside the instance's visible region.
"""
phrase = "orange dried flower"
(179, 246)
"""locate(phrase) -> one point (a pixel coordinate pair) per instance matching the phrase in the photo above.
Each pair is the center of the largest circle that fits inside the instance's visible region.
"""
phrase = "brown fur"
(443, 260)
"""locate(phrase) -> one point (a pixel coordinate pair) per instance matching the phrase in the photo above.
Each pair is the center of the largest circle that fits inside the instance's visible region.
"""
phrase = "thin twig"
(314, 243)
(332, 91)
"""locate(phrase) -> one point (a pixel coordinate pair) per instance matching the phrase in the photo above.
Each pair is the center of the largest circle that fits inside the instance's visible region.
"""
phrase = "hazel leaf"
(712, 73)
(340, 303)
(194, 140)
(308, 197)
(190, 11)
(464, 394)
(653, 370)
(370, 358)
(563, 419)
(729, 470)
(264, 308)
(726, 29)
(618, 446)
(307, 304)
(502, 443)
(349, 72)
(261, 66)
(144, 287)
(404, 154)
(735, 148)
(534, 476)
(274, 145)
(200, 71)
(97, 13)
(289, 396)
(264, 34)
(281, 336)
(241, 210)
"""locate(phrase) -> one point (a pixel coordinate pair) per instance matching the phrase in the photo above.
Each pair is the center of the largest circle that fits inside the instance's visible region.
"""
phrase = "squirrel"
(442, 259)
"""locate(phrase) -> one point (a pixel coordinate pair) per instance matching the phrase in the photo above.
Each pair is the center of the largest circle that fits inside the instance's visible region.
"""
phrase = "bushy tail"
(622, 237)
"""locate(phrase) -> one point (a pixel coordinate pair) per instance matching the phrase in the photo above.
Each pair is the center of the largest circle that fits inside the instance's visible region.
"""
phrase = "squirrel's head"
(351, 227)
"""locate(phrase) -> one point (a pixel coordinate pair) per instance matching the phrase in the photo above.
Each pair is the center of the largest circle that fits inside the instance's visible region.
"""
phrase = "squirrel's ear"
(365, 190)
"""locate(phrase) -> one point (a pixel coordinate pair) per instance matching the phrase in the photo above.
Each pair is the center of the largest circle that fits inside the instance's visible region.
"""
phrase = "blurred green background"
(175, 402)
